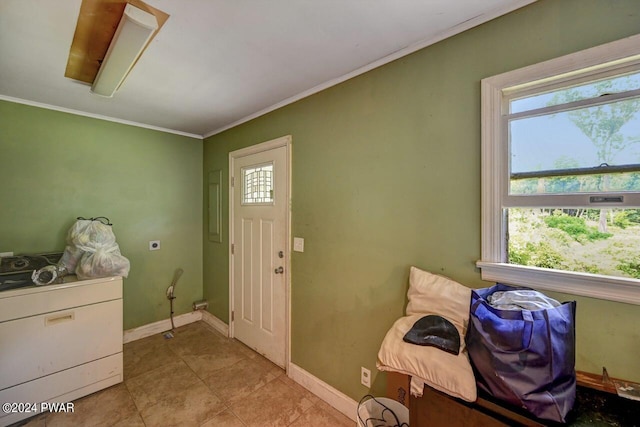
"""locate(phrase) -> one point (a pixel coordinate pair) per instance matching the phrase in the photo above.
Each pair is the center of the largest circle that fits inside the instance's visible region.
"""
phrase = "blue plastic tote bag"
(524, 357)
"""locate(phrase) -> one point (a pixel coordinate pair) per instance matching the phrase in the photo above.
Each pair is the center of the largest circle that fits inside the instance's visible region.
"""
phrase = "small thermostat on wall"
(154, 245)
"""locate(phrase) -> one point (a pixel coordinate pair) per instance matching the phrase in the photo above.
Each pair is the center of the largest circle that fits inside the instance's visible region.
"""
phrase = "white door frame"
(284, 141)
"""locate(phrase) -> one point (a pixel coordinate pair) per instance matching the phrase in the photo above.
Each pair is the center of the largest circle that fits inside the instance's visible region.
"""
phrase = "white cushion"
(448, 373)
(452, 374)
(434, 294)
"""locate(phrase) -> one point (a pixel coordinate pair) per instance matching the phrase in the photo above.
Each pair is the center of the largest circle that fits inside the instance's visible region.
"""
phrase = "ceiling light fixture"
(129, 41)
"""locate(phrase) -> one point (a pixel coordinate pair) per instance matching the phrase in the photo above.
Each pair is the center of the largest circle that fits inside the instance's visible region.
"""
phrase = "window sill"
(610, 288)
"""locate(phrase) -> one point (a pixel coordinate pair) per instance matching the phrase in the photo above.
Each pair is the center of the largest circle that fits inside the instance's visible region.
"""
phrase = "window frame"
(611, 58)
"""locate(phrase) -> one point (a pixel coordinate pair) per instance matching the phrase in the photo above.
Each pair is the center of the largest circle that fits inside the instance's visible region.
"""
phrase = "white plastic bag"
(92, 251)
(72, 253)
(102, 263)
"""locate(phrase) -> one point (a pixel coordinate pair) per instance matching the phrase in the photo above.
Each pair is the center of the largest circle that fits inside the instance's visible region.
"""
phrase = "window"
(561, 174)
(257, 185)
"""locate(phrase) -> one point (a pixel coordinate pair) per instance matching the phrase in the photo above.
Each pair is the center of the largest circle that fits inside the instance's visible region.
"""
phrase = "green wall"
(386, 174)
(55, 167)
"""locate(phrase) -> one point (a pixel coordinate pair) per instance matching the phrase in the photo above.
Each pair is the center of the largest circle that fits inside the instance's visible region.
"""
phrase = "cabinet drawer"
(36, 346)
(32, 301)
(63, 386)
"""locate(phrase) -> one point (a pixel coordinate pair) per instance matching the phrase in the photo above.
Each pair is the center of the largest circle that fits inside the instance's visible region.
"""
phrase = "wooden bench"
(596, 404)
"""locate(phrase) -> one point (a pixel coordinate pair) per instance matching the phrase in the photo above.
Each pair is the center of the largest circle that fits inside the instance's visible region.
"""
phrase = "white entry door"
(259, 252)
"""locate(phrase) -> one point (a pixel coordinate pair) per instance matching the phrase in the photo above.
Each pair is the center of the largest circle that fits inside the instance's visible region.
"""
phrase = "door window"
(257, 185)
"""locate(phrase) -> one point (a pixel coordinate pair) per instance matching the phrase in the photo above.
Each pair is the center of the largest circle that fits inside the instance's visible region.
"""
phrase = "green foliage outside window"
(630, 268)
(575, 227)
(568, 239)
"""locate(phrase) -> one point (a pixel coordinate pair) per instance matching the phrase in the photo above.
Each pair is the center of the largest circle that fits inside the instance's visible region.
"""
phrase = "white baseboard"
(160, 326)
(215, 323)
(324, 391)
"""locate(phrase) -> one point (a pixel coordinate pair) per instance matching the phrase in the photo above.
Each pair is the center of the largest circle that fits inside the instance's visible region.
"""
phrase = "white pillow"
(448, 373)
(434, 294)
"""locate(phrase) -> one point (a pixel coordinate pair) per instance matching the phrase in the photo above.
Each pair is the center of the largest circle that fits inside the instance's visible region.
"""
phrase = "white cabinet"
(59, 342)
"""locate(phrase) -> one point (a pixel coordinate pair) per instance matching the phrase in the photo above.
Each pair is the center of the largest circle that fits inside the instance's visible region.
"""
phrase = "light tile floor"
(198, 378)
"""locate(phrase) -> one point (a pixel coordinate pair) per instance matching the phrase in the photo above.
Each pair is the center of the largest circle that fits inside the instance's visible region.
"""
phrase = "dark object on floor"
(435, 331)
(595, 407)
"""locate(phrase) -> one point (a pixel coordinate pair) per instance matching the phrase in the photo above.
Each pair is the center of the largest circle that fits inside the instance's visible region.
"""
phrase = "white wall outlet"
(298, 244)
(365, 377)
(154, 245)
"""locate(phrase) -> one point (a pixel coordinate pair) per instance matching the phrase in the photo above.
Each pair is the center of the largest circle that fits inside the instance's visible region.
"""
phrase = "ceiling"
(217, 63)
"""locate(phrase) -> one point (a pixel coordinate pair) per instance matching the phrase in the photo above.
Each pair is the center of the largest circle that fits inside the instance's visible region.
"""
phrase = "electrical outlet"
(154, 245)
(365, 377)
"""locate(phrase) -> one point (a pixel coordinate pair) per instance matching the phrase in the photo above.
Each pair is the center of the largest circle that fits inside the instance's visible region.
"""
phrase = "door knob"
(279, 270)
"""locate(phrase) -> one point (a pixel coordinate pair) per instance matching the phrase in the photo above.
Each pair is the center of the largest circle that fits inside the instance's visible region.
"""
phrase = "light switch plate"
(298, 244)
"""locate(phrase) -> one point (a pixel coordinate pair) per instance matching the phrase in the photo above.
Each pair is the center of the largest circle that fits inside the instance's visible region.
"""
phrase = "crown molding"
(97, 116)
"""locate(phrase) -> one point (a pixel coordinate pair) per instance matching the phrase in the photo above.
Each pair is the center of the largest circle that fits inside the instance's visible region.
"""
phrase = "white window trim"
(622, 53)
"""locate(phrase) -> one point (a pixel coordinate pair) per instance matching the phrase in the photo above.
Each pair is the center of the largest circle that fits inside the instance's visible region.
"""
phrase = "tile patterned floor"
(198, 378)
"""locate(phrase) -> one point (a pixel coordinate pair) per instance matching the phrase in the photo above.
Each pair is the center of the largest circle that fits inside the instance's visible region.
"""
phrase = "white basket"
(382, 412)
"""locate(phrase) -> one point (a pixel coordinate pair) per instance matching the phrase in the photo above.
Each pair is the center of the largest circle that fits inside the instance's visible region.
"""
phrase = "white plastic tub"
(382, 412)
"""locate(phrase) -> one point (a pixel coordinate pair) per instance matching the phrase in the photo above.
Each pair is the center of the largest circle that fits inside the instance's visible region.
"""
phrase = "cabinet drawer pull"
(58, 318)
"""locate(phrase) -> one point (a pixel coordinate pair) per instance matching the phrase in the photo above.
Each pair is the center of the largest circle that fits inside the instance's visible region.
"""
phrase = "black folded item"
(435, 331)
